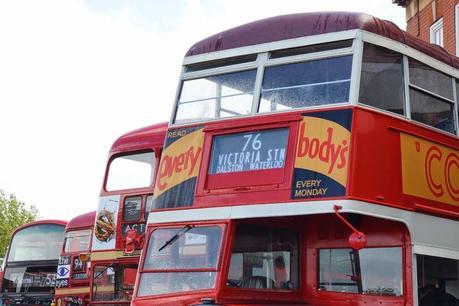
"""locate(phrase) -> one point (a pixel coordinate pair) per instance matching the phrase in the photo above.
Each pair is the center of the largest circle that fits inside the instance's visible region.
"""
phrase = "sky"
(77, 74)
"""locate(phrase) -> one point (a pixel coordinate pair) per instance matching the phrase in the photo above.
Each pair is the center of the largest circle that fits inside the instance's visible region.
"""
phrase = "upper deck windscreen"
(131, 171)
(77, 241)
(279, 83)
(37, 242)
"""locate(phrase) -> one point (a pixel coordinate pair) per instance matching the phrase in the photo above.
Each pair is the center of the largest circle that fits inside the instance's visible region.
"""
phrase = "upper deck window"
(312, 83)
(381, 82)
(312, 48)
(131, 171)
(431, 96)
(216, 96)
(77, 241)
(37, 242)
(430, 79)
(221, 62)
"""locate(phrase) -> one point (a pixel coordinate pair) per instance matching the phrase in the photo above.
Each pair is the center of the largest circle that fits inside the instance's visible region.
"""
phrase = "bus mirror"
(357, 240)
(84, 257)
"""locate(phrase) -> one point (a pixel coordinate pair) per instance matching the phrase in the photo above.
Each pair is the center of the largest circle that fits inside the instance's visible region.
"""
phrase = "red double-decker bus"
(72, 283)
(120, 220)
(30, 264)
(311, 159)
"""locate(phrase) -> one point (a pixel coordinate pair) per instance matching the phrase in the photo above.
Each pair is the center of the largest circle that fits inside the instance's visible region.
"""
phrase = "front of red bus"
(120, 221)
(72, 284)
(30, 266)
(284, 173)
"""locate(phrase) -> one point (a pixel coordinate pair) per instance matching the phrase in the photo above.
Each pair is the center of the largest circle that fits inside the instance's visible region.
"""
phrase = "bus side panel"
(381, 146)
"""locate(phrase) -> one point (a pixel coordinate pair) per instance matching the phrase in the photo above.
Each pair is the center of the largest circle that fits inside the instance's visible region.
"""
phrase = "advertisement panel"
(322, 155)
(429, 170)
(104, 236)
(179, 167)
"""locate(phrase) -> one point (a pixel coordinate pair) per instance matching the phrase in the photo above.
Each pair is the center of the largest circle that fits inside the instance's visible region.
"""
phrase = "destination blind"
(251, 151)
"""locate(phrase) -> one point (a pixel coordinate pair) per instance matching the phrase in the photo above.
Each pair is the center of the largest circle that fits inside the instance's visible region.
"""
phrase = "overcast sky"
(75, 75)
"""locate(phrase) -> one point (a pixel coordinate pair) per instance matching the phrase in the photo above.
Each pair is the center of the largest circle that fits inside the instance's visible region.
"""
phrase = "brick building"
(434, 21)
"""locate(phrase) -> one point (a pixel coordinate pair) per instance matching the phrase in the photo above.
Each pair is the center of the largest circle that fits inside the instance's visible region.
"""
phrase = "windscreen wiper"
(182, 231)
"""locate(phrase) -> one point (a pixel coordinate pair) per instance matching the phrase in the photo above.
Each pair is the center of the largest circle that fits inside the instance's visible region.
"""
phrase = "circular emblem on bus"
(105, 225)
(62, 271)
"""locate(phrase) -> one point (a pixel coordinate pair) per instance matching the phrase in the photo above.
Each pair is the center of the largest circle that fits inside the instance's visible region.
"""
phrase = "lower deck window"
(113, 282)
(264, 258)
(376, 271)
(438, 280)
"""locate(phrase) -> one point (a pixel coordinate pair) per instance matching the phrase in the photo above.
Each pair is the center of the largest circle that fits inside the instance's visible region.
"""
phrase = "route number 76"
(253, 140)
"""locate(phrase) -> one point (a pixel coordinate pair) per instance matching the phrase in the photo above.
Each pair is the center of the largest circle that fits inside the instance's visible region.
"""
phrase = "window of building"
(436, 32)
(376, 271)
(438, 280)
(457, 29)
(381, 82)
(264, 258)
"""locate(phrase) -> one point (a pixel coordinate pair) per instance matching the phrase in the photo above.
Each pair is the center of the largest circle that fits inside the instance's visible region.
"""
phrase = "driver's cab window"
(264, 257)
(113, 282)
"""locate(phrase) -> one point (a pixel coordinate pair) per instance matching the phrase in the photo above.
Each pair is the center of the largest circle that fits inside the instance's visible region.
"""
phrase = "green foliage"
(13, 213)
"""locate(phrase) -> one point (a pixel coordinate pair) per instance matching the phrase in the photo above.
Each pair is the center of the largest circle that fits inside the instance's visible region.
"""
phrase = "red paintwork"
(150, 138)
(374, 176)
(307, 24)
(82, 221)
(313, 236)
(140, 140)
(375, 168)
(375, 148)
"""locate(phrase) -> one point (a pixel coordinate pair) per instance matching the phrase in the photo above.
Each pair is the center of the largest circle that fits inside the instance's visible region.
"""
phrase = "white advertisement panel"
(104, 236)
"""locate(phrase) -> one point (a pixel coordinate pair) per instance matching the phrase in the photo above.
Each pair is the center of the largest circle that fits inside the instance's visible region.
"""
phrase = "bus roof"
(49, 221)
(146, 137)
(307, 24)
(84, 220)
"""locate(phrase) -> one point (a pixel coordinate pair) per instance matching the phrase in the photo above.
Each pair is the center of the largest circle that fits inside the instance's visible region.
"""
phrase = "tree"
(13, 213)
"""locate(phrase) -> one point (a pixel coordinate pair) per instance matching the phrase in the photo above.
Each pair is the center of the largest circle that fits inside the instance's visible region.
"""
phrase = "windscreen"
(77, 241)
(184, 259)
(131, 171)
(37, 242)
